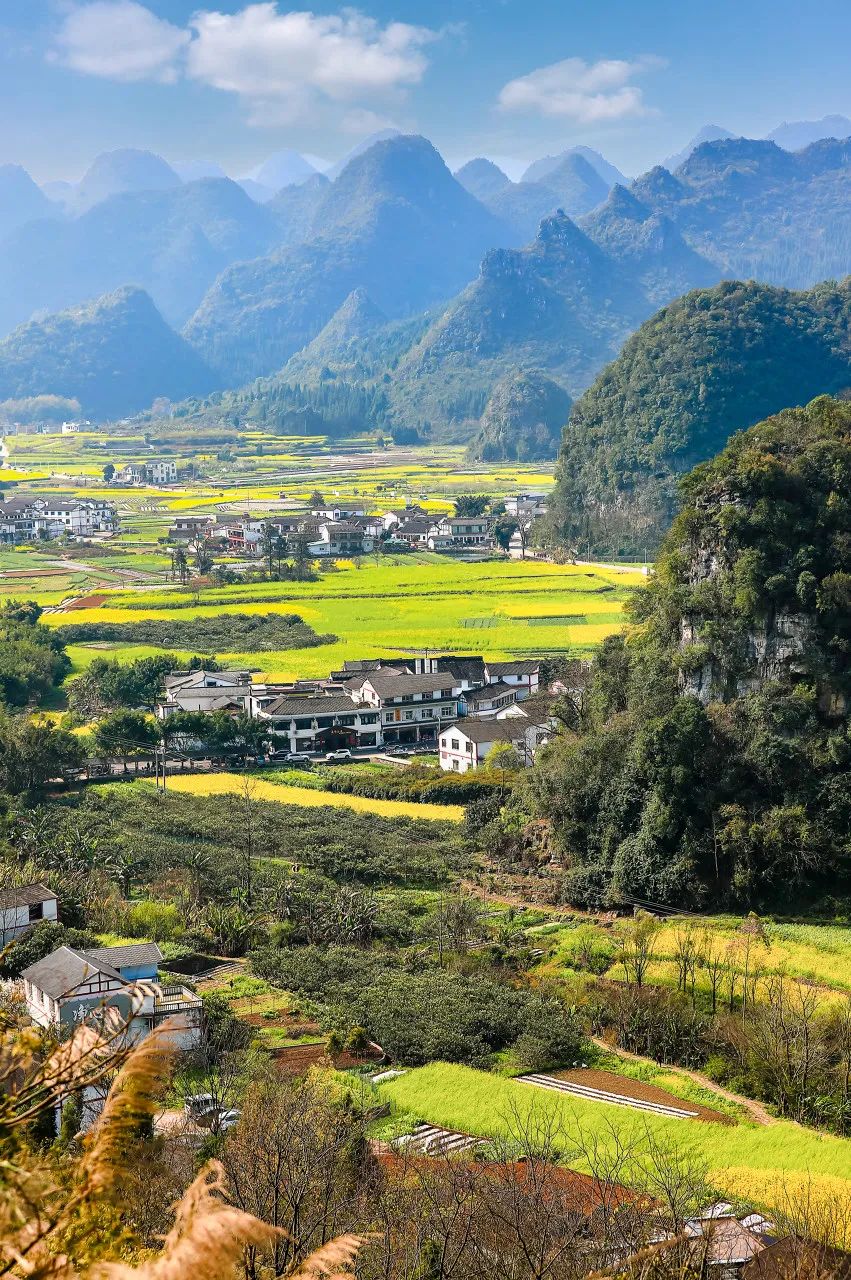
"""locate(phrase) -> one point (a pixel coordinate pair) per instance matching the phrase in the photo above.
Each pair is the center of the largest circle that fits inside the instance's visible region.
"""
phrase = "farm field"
(745, 1159)
(818, 953)
(387, 607)
(217, 784)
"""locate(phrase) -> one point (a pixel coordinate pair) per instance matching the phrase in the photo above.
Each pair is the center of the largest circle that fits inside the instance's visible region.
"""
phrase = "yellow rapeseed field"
(217, 784)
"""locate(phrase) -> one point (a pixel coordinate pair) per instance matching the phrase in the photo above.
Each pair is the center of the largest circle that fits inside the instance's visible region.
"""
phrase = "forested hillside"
(710, 364)
(114, 356)
(709, 760)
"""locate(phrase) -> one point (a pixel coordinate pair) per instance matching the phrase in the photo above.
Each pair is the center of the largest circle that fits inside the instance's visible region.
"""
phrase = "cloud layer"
(120, 40)
(283, 64)
(586, 92)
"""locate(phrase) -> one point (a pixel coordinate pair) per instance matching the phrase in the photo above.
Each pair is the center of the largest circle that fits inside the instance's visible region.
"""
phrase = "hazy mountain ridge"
(115, 355)
(395, 223)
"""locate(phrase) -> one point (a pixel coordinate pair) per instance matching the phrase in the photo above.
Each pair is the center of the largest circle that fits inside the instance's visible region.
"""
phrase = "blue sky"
(512, 79)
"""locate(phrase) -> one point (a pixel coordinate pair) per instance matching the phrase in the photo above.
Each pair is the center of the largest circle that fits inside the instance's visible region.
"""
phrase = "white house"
(70, 987)
(524, 674)
(488, 700)
(460, 533)
(468, 744)
(162, 471)
(24, 907)
(412, 707)
(533, 505)
(206, 691)
(341, 538)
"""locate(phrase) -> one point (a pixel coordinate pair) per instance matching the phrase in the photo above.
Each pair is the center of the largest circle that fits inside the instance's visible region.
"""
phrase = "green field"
(747, 1155)
(818, 953)
(388, 607)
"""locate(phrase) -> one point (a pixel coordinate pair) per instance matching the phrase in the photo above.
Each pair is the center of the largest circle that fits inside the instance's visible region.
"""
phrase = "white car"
(338, 757)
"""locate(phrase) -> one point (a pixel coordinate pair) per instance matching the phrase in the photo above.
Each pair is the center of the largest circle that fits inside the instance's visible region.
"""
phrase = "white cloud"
(577, 90)
(284, 64)
(120, 40)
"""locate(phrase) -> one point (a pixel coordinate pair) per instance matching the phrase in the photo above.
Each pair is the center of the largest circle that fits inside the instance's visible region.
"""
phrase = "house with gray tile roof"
(71, 987)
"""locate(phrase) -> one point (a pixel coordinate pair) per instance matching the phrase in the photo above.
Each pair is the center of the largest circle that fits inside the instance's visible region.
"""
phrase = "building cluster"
(460, 706)
(34, 519)
(350, 530)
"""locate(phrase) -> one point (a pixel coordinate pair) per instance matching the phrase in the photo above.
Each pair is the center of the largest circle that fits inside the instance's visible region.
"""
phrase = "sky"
(513, 80)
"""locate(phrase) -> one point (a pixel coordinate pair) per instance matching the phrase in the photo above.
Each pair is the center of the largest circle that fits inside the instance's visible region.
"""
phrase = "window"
(455, 744)
(36, 911)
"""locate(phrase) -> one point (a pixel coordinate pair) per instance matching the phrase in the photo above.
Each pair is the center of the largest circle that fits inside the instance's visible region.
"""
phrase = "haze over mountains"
(400, 274)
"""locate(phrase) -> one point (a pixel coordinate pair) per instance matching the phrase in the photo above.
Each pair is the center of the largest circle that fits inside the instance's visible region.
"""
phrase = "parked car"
(297, 757)
(338, 757)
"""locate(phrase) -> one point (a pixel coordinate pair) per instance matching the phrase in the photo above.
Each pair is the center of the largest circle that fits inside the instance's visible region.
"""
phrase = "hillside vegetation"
(710, 761)
(114, 356)
(710, 364)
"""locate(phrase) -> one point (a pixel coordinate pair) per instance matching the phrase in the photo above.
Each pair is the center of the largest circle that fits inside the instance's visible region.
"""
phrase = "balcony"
(175, 999)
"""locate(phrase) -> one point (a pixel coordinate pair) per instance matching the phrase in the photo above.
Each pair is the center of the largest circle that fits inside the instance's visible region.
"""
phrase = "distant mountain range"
(395, 223)
(399, 276)
(115, 356)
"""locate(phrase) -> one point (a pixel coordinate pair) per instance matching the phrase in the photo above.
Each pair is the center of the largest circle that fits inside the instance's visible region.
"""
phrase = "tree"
(637, 941)
(504, 528)
(180, 565)
(109, 472)
(471, 504)
(503, 760)
(125, 733)
(32, 754)
(267, 544)
(316, 501)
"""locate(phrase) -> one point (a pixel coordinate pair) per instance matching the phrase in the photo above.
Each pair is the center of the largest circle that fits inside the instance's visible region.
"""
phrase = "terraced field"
(217, 784)
(475, 1102)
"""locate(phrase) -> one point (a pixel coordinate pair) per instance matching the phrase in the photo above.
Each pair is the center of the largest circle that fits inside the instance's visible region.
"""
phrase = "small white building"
(206, 691)
(24, 907)
(460, 533)
(529, 505)
(341, 538)
(467, 745)
(523, 674)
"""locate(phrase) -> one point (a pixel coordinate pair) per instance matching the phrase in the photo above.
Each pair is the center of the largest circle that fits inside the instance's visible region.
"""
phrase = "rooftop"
(327, 705)
(64, 970)
(389, 684)
(485, 731)
(26, 895)
(134, 954)
(518, 667)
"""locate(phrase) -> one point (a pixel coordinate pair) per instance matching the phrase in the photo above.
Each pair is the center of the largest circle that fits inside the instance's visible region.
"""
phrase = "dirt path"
(754, 1109)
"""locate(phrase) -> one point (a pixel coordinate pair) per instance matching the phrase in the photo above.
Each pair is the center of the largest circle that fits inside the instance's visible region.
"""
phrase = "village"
(463, 706)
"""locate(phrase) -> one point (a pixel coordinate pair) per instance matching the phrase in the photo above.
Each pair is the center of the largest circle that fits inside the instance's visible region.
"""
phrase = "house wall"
(16, 920)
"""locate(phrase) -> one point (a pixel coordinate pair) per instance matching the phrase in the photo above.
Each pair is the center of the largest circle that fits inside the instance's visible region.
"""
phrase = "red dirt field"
(611, 1082)
(87, 602)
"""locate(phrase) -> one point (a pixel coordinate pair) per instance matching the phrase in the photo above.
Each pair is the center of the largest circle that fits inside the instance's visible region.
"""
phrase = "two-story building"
(488, 700)
(24, 907)
(527, 505)
(467, 745)
(460, 533)
(341, 538)
(189, 528)
(322, 722)
(71, 987)
(523, 674)
(412, 707)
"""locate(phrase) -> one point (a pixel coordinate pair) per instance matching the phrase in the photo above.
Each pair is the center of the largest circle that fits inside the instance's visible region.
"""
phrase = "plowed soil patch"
(611, 1082)
(87, 602)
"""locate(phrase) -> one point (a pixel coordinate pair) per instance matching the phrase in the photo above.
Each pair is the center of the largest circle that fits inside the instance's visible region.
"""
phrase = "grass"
(480, 1103)
(216, 784)
(820, 953)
